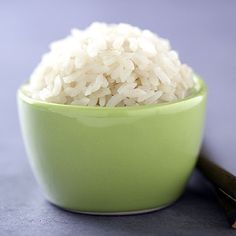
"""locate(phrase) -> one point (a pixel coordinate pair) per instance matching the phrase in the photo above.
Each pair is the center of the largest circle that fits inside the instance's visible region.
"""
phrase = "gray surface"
(205, 36)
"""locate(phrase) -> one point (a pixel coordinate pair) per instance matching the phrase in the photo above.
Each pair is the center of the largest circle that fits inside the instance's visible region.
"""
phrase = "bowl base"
(115, 213)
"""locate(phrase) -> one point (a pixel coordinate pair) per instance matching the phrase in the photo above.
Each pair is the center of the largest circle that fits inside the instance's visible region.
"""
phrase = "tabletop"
(204, 34)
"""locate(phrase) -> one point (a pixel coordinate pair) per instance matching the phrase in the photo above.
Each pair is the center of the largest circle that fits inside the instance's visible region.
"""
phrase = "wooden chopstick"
(229, 205)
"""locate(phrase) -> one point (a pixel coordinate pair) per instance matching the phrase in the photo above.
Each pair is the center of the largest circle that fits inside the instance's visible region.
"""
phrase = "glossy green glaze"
(109, 160)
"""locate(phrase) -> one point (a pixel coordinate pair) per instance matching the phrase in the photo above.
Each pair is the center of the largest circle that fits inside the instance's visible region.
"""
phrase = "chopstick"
(225, 186)
(229, 205)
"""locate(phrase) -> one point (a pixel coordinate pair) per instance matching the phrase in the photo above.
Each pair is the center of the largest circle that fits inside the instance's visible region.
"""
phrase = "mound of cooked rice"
(110, 65)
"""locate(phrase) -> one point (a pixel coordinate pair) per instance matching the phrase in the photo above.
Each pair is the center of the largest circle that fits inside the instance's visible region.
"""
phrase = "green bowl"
(113, 160)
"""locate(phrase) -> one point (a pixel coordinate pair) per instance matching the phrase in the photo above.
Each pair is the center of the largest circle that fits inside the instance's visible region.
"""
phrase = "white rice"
(110, 65)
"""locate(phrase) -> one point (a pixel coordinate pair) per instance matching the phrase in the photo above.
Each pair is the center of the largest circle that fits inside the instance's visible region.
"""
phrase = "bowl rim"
(200, 91)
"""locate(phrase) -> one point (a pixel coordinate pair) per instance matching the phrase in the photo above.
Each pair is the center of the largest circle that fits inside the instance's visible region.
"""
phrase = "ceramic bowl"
(113, 160)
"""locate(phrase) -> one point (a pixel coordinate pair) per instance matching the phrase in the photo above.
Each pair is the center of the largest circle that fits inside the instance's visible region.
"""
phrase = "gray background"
(203, 32)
